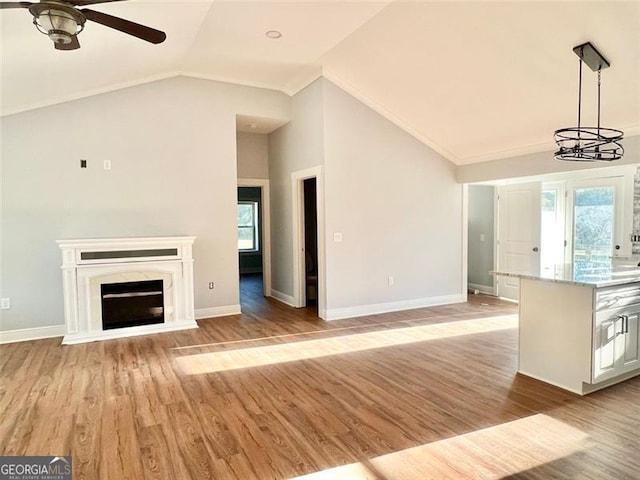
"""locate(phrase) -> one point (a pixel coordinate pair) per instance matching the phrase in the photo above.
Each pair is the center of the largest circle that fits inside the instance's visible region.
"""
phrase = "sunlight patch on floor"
(351, 471)
(489, 454)
(307, 349)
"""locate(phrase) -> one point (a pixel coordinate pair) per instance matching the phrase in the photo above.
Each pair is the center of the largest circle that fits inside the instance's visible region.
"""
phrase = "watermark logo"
(35, 468)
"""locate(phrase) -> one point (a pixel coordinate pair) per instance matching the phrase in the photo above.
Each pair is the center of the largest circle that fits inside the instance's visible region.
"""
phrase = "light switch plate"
(337, 237)
(5, 303)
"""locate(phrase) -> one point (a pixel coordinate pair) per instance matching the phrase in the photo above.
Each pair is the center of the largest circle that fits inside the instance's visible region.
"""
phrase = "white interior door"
(518, 234)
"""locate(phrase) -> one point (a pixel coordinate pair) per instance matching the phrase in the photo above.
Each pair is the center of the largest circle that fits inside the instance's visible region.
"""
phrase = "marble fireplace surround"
(89, 263)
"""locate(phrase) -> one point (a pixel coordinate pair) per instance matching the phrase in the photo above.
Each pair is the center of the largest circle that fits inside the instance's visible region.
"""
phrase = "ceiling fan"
(62, 21)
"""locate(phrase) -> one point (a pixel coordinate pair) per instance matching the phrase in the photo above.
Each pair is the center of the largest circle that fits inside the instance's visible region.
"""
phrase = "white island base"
(579, 337)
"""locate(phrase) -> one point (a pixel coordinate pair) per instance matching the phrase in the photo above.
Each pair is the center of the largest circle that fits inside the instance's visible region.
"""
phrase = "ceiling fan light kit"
(589, 144)
(62, 21)
(59, 22)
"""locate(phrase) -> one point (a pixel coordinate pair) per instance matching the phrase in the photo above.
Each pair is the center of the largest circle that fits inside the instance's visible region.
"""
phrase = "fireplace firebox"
(132, 304)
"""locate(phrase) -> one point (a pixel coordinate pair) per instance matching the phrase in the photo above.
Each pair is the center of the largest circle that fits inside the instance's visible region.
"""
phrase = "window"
(248, 226)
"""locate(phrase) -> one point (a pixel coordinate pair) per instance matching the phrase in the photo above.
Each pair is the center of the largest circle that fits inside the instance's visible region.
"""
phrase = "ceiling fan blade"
(15, 4)
(74, 45)
(82, 3)
(145, 33)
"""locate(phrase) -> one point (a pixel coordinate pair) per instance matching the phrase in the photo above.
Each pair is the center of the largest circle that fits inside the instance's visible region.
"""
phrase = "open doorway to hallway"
(253, 242)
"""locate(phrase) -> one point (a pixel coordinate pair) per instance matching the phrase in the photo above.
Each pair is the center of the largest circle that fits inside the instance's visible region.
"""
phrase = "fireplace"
(121, 287)
(131, 304)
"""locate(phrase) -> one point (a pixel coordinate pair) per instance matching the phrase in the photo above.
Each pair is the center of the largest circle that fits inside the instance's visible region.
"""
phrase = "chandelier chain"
(599, 70)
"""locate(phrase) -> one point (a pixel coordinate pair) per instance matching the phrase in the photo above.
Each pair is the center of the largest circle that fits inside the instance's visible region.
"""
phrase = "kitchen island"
(580, 330)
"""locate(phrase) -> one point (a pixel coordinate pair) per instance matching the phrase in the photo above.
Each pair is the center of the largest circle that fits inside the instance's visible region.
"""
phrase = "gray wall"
(295, 146)
(253, 155)
(481, 218)
(398, 206)
(172, 145)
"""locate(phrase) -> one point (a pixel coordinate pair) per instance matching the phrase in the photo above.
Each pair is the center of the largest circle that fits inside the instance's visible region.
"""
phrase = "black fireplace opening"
(131, 304)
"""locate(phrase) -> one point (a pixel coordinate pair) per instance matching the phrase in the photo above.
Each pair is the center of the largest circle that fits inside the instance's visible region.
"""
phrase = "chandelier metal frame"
(589, 144)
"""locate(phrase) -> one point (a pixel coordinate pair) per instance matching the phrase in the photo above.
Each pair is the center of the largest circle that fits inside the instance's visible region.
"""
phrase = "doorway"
(307, 194)
(310, 220)
(254, 240)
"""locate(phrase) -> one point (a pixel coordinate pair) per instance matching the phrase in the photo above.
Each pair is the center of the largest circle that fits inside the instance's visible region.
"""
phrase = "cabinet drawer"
(618, 297)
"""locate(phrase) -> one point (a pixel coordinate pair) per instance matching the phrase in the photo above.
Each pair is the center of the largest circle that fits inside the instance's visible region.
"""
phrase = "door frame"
(265, 198)
(297, 227)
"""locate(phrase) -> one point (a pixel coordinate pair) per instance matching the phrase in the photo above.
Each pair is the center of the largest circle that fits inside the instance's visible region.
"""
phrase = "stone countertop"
(603, 276)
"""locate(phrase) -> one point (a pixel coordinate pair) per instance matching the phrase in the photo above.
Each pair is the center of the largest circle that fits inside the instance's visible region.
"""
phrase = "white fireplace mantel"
(89, 263)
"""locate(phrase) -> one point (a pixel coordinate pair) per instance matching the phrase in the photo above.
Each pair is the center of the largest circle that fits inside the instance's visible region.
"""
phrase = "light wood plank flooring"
(276, 393)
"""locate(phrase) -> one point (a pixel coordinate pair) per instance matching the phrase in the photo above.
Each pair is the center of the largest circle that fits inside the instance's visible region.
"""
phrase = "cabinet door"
(607, 348)
(631, 339)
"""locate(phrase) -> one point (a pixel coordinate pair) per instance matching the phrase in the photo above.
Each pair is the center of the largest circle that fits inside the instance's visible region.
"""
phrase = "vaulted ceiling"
(475, 80)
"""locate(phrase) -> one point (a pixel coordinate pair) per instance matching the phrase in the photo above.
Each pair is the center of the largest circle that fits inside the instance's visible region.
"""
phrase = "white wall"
(399, 209)
(172, 145)
(253, 155)
(480, 237)
(296, 146)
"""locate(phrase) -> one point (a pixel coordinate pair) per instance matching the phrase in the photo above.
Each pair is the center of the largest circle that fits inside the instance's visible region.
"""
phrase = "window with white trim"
(248, 226)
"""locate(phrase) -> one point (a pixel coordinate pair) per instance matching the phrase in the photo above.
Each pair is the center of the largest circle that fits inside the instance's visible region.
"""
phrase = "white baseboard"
(37, 333)
(481, 288)
(283, 297)
(373, 309)
(211, 312)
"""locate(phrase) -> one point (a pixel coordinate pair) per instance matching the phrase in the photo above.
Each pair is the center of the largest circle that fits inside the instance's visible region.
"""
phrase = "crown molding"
(629, 131)
(230, 80)
(302, 81)
(86, 93)
(120, 86)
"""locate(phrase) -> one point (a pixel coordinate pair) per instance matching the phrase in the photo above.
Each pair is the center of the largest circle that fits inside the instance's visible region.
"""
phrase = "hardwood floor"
(276, 393)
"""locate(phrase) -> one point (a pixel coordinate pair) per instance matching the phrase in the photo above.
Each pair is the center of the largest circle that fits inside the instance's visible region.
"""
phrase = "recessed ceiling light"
(273, 34)
(253, 126)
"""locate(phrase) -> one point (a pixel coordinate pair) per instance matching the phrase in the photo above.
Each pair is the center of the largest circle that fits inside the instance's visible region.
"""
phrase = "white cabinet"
(579, 337)
(616, 345)
(616, 332)
(631, 358)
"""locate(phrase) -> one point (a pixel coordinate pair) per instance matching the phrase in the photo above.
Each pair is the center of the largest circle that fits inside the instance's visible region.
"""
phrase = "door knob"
(535, 249)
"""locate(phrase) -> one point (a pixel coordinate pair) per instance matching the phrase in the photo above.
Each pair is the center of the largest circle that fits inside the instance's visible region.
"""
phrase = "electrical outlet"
(106, 164)
(83, 163)
(635, 238)
(211, 285)
(5, 303)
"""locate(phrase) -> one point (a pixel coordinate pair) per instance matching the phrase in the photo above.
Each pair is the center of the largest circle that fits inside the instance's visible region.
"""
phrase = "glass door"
(596, 224)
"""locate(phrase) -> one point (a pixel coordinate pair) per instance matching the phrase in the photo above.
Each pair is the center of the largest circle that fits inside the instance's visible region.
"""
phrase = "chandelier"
(589, 144)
